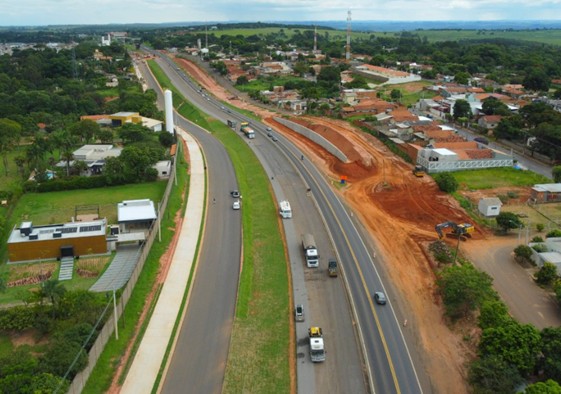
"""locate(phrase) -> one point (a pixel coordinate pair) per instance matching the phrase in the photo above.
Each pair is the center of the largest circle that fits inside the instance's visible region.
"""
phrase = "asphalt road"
(387, 357)
(199, 357)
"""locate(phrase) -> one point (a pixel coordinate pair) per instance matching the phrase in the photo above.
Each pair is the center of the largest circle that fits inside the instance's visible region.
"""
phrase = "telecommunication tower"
(348, 46)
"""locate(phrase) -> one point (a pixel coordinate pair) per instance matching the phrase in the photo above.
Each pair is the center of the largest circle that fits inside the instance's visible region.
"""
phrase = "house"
(490, 206)
(54, 241)
(548, 192)
(489, 122)
(551, 255)
(135, 215)
(94, 156)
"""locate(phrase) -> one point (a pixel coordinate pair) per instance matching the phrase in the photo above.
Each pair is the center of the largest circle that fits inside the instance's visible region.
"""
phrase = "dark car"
(481, 140)
(380, 298)
(274, 137)
(235, 194)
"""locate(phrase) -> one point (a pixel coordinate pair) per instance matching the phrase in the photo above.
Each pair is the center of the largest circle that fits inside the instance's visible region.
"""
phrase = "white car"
(236, 205)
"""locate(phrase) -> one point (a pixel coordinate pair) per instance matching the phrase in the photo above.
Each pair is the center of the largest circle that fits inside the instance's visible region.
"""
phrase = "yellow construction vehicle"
(419, 171)
(462, 231)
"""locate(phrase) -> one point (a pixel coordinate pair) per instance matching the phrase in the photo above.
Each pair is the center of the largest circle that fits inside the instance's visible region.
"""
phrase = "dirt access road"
(400, 211)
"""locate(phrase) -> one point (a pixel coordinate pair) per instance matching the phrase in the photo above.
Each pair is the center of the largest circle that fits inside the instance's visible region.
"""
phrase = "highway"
(197, 365)
(386, 356)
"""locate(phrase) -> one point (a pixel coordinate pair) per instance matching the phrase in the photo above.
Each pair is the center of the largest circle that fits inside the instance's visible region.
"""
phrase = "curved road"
(203, 338)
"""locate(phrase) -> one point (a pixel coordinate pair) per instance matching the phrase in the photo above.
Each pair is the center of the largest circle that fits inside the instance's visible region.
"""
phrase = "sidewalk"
(150, 355)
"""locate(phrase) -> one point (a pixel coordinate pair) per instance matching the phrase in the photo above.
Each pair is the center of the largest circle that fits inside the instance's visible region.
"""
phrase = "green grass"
(12, 181)
(59, 207)
(104, 370)
(408, 98)
(256, 359)
(552, 37)
(497, 177)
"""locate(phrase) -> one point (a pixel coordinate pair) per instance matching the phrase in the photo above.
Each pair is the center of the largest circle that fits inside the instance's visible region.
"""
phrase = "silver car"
(299, 312)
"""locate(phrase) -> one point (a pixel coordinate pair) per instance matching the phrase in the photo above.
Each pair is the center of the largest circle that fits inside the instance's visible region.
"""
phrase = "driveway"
(526, 301)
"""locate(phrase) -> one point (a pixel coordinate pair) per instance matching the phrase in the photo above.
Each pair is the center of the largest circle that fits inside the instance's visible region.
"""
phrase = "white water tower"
(169, 111)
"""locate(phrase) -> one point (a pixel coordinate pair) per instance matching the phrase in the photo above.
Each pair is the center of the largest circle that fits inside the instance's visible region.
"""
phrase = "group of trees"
(67, 319)
(509, 353)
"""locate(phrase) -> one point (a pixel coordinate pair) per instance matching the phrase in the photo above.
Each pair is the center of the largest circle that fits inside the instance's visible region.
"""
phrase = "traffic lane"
(404, 370)
(329, 308)
(201, 350)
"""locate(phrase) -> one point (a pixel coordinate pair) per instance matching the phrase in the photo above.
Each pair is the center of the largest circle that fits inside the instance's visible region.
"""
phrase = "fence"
(82, 377)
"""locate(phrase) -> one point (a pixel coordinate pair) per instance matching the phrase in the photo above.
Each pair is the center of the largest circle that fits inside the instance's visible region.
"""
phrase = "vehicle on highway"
(284, 209)
(235, 193)
(269, 129)
(269, 134)
(310, 251)
(274, 138)
(332, 267)
(481, 140)
(380, 298)
(299, 312)
(223, 108)
(236, 205)
(317, 350)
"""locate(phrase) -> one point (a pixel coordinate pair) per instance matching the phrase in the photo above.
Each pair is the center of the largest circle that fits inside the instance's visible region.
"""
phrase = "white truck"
(310, 251)
(317, 350)
(284, 209)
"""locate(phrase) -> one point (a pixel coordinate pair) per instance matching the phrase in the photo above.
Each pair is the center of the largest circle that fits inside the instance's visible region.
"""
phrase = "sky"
(62, 12)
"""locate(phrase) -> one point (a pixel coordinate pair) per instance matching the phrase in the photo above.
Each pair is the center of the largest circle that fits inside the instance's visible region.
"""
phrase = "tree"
(493, 313)
(547, 387)
(551, 352)
(66, 143)
(132, 132)
(395, 94)
(556, 171)
(517, 344)
(166, 139)
(242, 80)
(446, 182)
(9, 136)
(462, 109)
(492, 106)
(59, 357)
(53, 290)
(85, 130)
(557, 289)
(508, 220)
(491, 374)
(510, 128)
(547, 274)
(537, 79)
(464, 289)
(462, 78)
(523, 252)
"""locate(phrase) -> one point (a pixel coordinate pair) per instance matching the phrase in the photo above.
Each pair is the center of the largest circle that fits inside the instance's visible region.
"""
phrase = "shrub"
(540, 248)
(523, 252)
(553, 233)
(512, 194)
(557, 289)
(540, 227)
(441, 252)
(446, 182)
(537, 238)
(547, 274)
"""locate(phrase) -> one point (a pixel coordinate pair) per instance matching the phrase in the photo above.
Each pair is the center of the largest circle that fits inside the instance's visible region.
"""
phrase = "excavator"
(462, 231)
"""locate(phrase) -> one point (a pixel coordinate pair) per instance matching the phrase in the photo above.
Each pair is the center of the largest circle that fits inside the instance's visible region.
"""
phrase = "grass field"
(549, 36)
(497, 177)
(257, 361)
(552, 37)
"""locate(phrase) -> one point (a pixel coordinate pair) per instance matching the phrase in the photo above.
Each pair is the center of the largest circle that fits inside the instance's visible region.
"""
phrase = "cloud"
(42, 12)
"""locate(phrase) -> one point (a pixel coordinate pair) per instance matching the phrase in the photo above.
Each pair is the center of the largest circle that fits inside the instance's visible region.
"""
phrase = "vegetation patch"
(497, 177)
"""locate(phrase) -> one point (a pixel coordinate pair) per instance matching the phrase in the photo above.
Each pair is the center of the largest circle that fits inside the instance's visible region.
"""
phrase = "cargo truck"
(310, 251)
(317, 351)
(248, 131)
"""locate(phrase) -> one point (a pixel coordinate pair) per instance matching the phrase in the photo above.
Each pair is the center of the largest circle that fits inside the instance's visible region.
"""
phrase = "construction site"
(400, 209)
